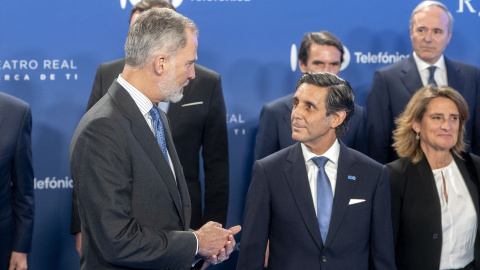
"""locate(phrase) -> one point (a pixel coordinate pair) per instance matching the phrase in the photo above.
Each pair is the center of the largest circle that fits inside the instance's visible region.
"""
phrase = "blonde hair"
(405, 142)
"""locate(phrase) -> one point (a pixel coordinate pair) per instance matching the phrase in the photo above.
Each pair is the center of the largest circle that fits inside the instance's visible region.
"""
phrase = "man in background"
(198, 123)
(431, 26)
(319, 51)
(16, 183)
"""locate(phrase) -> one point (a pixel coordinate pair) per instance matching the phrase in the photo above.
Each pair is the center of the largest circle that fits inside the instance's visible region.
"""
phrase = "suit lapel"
(180, 180)
(146, 138)
(411, 77)
(343, 190)
(453, 76)
(297, 180)
(426, 188)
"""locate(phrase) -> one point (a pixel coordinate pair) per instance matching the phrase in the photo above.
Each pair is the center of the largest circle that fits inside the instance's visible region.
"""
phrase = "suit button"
(435, 236)
(324, 259)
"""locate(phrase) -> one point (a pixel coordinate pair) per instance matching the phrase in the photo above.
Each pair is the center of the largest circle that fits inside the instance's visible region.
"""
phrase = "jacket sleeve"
(23, 187)
(256, 222)
(215, 158)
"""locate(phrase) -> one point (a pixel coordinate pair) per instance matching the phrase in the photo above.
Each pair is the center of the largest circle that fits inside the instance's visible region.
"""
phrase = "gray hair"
(157, 30)
(339, 97)
(426, 4)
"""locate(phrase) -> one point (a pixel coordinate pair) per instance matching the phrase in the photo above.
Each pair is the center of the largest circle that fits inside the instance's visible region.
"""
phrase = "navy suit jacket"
(279, 207)
(275, 128)
(198, 121)
(16, 177)
(417, 215)
(135, 213)
(391, 90)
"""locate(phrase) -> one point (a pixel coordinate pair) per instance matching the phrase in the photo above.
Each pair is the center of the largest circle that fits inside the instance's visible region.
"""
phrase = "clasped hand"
(215, 244)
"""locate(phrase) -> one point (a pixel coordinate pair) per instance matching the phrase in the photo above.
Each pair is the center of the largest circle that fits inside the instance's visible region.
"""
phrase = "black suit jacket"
(279, 207)
(416, 212)
(16, 178)
(135, 213)
(391, 90)
(275, 128)
(198, 123)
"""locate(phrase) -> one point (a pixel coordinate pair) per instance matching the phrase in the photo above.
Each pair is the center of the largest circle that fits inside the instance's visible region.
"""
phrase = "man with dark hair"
(133, 199)
(319, 203)
(145, 5)
(198, 122)
(17, 202)
(431, 26)
(319, 51)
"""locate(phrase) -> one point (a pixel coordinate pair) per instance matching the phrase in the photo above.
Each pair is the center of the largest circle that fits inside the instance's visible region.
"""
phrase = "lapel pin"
(350, 177)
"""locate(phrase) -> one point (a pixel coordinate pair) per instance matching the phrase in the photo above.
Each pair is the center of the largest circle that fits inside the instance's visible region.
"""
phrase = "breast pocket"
(366, 205)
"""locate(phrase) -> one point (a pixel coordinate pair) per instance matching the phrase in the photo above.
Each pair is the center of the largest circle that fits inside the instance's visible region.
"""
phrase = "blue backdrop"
(49, 52)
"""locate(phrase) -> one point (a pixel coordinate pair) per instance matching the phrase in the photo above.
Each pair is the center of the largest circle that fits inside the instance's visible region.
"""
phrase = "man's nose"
(191, 73)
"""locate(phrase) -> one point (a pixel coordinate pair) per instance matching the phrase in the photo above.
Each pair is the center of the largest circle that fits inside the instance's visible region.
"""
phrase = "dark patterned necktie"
(159, 133)
(431, 79)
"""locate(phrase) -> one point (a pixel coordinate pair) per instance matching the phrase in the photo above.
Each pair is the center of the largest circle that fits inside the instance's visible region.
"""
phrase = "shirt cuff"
(197, 258)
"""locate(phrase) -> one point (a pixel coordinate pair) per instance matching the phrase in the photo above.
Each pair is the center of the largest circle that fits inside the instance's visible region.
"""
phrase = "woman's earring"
(417, 137)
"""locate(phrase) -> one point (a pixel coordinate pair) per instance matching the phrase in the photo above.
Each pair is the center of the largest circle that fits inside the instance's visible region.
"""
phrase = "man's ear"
(160, 64)
(302, 66)
(337, 118)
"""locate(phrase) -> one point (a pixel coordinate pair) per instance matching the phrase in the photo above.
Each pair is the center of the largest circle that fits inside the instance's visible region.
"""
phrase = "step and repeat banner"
(50, 50)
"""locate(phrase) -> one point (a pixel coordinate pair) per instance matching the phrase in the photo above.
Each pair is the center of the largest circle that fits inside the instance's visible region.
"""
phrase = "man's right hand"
(78, 243)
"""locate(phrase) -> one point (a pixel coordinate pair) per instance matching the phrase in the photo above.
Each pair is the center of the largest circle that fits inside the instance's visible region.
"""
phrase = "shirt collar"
(422, 65)
(332, 153)
(143, 103)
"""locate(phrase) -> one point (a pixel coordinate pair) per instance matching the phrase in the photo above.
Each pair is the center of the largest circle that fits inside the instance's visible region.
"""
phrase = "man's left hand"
(18, 261)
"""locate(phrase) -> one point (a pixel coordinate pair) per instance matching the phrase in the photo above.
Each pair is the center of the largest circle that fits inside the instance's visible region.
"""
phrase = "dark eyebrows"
(308, 103)
(317, 62)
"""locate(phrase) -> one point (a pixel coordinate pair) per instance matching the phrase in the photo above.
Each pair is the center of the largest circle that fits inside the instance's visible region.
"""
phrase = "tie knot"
(432, 70)
(154, 113)
(320, 161)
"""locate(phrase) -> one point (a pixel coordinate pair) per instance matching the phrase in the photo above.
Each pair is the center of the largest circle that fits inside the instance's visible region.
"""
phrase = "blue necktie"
(159, 134)
(324, 197)
(431, 79)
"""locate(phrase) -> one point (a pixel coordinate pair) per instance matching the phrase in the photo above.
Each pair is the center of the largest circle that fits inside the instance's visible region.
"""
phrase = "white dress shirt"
(440, 74)
(330, 168)
(459, 219)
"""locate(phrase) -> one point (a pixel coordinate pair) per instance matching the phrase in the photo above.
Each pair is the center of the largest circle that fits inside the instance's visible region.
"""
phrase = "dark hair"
(320, 38)
(145, 5)
(339, 97)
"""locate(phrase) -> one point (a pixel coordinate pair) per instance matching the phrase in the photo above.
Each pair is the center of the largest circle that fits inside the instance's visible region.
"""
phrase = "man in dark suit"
(431, 28)
(133, 200)
(16, 183)
(319, 51)
(330, 216)
(198, 121)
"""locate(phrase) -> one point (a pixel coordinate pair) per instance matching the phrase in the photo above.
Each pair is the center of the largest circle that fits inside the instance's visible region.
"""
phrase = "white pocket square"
(354, 201)
(192, 104)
